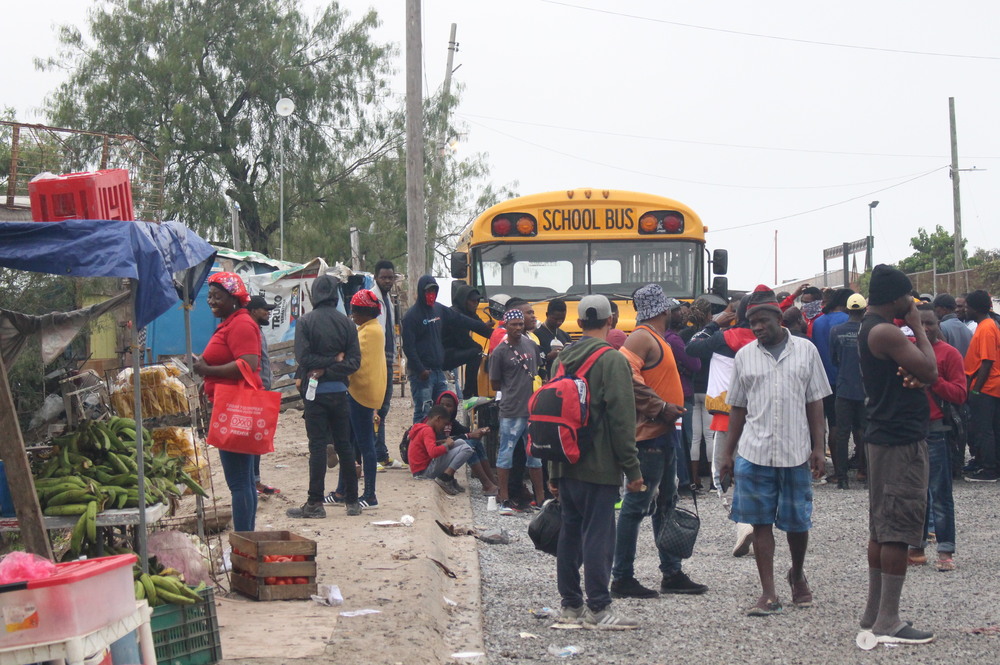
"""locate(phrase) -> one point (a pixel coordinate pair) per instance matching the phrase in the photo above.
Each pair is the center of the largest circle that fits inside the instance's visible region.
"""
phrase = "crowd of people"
(753, 393)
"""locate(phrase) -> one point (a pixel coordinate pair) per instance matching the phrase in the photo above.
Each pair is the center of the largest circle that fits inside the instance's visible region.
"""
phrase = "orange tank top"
(663, 376)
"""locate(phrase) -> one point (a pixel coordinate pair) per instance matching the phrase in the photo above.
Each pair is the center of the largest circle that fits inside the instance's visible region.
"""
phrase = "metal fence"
(933, 282)
(34, 149)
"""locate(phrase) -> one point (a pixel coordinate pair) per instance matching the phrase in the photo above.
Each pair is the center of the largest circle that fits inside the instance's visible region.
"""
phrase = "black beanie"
(887, 284)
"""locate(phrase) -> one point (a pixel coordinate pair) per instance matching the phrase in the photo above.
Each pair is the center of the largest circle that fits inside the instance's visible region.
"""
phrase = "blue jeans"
(424, 392)
(238, 470)
(658, 465)
(363, 427)
(511, 435)
(940, 504)
(381, 450)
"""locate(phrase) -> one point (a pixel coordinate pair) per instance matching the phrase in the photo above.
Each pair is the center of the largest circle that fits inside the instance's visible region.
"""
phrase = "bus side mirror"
(459, 265)
(720, 261)
(720, 287)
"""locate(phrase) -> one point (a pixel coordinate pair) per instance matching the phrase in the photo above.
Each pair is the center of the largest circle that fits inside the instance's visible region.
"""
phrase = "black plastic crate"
(187, 634)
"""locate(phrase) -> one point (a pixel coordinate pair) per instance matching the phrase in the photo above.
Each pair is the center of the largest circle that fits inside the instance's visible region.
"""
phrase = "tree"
(987, 269)
(196, 82)
(939, 245)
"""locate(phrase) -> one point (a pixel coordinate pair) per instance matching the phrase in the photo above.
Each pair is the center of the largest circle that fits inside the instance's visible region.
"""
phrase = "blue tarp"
(159, 256)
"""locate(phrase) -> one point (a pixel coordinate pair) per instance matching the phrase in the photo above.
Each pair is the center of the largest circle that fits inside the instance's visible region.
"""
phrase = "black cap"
(258, 302)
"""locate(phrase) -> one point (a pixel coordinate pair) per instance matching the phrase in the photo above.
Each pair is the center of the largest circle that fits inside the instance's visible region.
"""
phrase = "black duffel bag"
(544, 527)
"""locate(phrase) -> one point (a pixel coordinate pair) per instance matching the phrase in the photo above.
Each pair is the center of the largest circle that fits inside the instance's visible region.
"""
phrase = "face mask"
(430, 297)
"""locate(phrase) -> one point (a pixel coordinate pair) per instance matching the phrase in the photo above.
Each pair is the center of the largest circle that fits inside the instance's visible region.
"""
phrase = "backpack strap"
(588, 363)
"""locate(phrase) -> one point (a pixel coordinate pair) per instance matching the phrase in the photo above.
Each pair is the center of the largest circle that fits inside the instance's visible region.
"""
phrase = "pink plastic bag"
(21, 567)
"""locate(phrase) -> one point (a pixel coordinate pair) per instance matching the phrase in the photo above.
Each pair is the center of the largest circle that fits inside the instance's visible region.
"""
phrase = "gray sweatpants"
(453, 459)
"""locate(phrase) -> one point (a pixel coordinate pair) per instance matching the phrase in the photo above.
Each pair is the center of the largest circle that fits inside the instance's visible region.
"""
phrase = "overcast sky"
(766, 116)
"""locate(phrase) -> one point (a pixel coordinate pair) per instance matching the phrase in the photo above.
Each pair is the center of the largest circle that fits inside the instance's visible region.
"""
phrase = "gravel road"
(516, 579)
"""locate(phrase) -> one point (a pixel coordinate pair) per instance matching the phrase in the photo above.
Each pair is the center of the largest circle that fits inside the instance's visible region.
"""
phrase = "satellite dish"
(284, 107)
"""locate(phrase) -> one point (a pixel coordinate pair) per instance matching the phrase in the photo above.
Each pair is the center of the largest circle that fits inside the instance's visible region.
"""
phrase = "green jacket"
(612, 411)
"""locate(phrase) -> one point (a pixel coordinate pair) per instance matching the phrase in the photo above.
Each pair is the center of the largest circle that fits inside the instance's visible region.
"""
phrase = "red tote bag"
(244, 416)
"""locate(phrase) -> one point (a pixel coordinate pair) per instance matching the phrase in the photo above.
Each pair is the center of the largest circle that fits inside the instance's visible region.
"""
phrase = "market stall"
(163, 262)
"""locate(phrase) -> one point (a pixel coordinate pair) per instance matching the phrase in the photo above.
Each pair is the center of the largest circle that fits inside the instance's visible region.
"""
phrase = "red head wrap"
(232, 284)
(365, 298)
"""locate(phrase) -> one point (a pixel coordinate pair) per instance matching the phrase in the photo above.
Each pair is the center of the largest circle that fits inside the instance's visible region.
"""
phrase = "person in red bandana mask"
(422, 326)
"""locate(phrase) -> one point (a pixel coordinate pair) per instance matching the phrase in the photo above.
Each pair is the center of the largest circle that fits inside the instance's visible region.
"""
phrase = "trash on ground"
(407, 520)
(358, 613)
(564, 652)
(329, 595)
(469, 657)
(448, 601)
(388, 523)
(528, 636)
(454, 529)
(494, 537)
(446, 569)
(983, 630)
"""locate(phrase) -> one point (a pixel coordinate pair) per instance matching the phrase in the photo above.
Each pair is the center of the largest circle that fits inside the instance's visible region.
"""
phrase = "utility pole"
(437, 157)
(776, 257)
(355, 249)
(956, 198)
(416, 226)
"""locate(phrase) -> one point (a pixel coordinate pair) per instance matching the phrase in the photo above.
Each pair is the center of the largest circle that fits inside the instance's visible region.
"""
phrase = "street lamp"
(871, 239)
(284, 108)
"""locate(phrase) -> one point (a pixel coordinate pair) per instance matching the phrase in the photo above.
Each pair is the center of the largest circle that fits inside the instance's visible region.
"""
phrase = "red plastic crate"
(92, 195)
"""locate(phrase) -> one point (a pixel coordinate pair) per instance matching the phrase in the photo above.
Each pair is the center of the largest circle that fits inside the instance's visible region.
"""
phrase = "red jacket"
(423, 447)
(951, 385)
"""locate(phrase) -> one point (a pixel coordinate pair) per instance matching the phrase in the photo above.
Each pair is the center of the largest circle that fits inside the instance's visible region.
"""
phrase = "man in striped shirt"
(777, 424)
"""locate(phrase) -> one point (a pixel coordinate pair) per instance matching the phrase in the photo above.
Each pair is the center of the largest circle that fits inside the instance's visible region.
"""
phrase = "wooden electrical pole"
(956, 199)
(437, 157)
(22, 486)
(416, 226)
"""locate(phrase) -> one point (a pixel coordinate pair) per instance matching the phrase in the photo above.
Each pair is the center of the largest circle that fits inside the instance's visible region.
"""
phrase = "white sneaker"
(570, 617)
(744, 539)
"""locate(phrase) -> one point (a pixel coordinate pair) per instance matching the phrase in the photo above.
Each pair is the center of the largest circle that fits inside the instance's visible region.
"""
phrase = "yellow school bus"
(571, 243)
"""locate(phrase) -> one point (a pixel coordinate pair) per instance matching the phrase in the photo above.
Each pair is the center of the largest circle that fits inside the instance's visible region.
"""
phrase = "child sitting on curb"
(433, 454)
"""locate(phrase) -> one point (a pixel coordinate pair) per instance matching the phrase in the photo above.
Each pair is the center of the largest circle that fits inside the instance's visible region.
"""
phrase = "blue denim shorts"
(478, 451)
(511, 433)
(781, 496)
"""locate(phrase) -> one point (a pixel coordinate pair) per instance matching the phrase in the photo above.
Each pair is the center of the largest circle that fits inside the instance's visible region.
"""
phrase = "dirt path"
(389, 569)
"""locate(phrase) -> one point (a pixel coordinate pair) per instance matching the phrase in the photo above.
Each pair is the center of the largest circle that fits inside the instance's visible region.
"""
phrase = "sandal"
(946, 564)
(801, 593)
(267, 489)
(772, 607)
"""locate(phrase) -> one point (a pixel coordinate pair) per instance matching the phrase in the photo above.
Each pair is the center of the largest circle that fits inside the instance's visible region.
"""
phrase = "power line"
(774, 37)
(673, 179)
(710, 143)
(831, 205)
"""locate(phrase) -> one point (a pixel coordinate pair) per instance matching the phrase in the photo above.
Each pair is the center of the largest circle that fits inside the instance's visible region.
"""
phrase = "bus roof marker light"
(648, 223)
(606, 193)
(672, 224)
(501, 226)
(587, 193)
(570, 193)
(526, 226)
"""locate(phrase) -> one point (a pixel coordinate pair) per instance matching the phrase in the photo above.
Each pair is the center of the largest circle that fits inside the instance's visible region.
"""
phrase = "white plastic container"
(83, 596)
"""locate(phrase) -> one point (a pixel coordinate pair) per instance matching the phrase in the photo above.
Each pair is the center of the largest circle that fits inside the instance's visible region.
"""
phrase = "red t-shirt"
(238, 335)
(950, 385)
(423, 447)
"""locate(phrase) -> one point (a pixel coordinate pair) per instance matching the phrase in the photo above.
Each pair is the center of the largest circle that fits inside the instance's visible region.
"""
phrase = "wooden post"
(22, 485)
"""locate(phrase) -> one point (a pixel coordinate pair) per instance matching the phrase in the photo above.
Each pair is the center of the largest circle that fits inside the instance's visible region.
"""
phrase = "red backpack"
(559, 427)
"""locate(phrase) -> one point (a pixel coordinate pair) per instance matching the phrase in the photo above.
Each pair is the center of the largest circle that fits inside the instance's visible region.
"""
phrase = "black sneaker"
(907, 635)
(354, 509)
(333, 498)
(308, 511)
(679, 582)
(843, 484)
(629, 587)
(445, 483)
(983, 476)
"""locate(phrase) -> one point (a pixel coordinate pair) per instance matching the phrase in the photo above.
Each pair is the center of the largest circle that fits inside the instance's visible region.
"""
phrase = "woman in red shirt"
(238, 336)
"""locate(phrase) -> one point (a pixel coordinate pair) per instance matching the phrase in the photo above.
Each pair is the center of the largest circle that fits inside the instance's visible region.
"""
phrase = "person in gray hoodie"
(327, 350)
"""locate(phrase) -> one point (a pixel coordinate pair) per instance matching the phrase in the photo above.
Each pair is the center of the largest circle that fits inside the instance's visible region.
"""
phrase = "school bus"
(571, 243)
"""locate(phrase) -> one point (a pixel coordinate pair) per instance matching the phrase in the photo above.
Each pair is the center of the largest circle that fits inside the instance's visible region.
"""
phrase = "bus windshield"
(542, 270)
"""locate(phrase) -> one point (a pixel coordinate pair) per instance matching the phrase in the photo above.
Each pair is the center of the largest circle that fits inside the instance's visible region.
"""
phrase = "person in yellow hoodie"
(367, 387)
